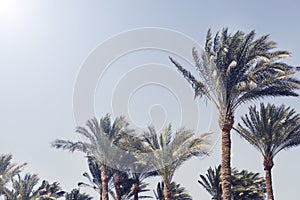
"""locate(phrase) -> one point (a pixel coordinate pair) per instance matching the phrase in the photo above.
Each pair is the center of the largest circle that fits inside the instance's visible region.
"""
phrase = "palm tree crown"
(211, 182)
(23, 189)
(270, 130)
(101, 139)
(76, 195)
(7, 171)
(245, 185)
(236, 68)
(178, 192)
(167, 152)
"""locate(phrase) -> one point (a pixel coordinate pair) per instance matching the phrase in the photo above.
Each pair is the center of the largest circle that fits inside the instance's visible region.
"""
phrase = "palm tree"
(49, 191)
(178, 192)
(125, 184)
(103, 138)
(76, 195)
(139, 186)
(23, 189)
(234, 69)
(270, 130)
(139, 170)
(245, 185)
(94, 178)
(137, 175)
(212, 182)
(7, 171)
(131, 182)
(167, 152)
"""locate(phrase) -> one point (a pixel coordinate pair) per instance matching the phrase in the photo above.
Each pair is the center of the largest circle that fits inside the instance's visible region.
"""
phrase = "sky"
(45, 46)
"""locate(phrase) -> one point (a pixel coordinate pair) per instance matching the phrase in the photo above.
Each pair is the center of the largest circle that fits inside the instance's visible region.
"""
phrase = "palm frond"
(171, 150)
(178, 192)
(237, 68)
(271, 129)
(245, 185)
(8, 170)
(71, 146)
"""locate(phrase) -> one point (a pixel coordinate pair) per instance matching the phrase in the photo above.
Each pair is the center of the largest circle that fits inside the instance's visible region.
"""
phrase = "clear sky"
(43, 45)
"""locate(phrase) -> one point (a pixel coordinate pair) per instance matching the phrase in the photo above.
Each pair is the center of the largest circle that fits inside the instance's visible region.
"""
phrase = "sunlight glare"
(7, 8)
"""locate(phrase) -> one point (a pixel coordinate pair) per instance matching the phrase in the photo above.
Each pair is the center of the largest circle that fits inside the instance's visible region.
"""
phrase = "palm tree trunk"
(268, 164)
(135, 191)
(269, 184)
(104, 180)
(117, 182)
(167, 192)
(226, 126)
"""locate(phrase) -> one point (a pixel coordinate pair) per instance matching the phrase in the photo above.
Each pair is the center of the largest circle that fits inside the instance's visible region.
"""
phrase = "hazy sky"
(44, 44)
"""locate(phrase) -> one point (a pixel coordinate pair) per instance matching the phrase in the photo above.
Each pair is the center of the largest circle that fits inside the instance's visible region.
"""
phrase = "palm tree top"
(212, 182)
(103, 140)
(76, 195)
(178, 192)
(8, 170)
(237, 68)
(271, 129)
(245, 184)
(169, 150)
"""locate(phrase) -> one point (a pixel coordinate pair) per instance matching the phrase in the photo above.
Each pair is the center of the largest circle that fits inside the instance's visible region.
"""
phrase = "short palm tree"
(211, 182)
(94, 177)
(23, 189)
(167, 152)
(76, 195)
(7, 171)
(270, 130)
(139, 170)
(131, 183)
(49, 191)
(178, 192)
(139, 185)
(245, 185)
(234, 69)
(125, 184)
(102, 139)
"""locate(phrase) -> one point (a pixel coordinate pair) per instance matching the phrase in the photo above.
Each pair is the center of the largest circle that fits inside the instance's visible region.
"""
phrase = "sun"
(7, 8)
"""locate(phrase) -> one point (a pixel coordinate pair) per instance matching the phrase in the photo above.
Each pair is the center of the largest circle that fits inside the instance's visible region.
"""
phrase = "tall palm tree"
(270, 130)
(168, 151)
(178, 192)
(102, 139)
(245, 185)
(7, 171)
(234, 69)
